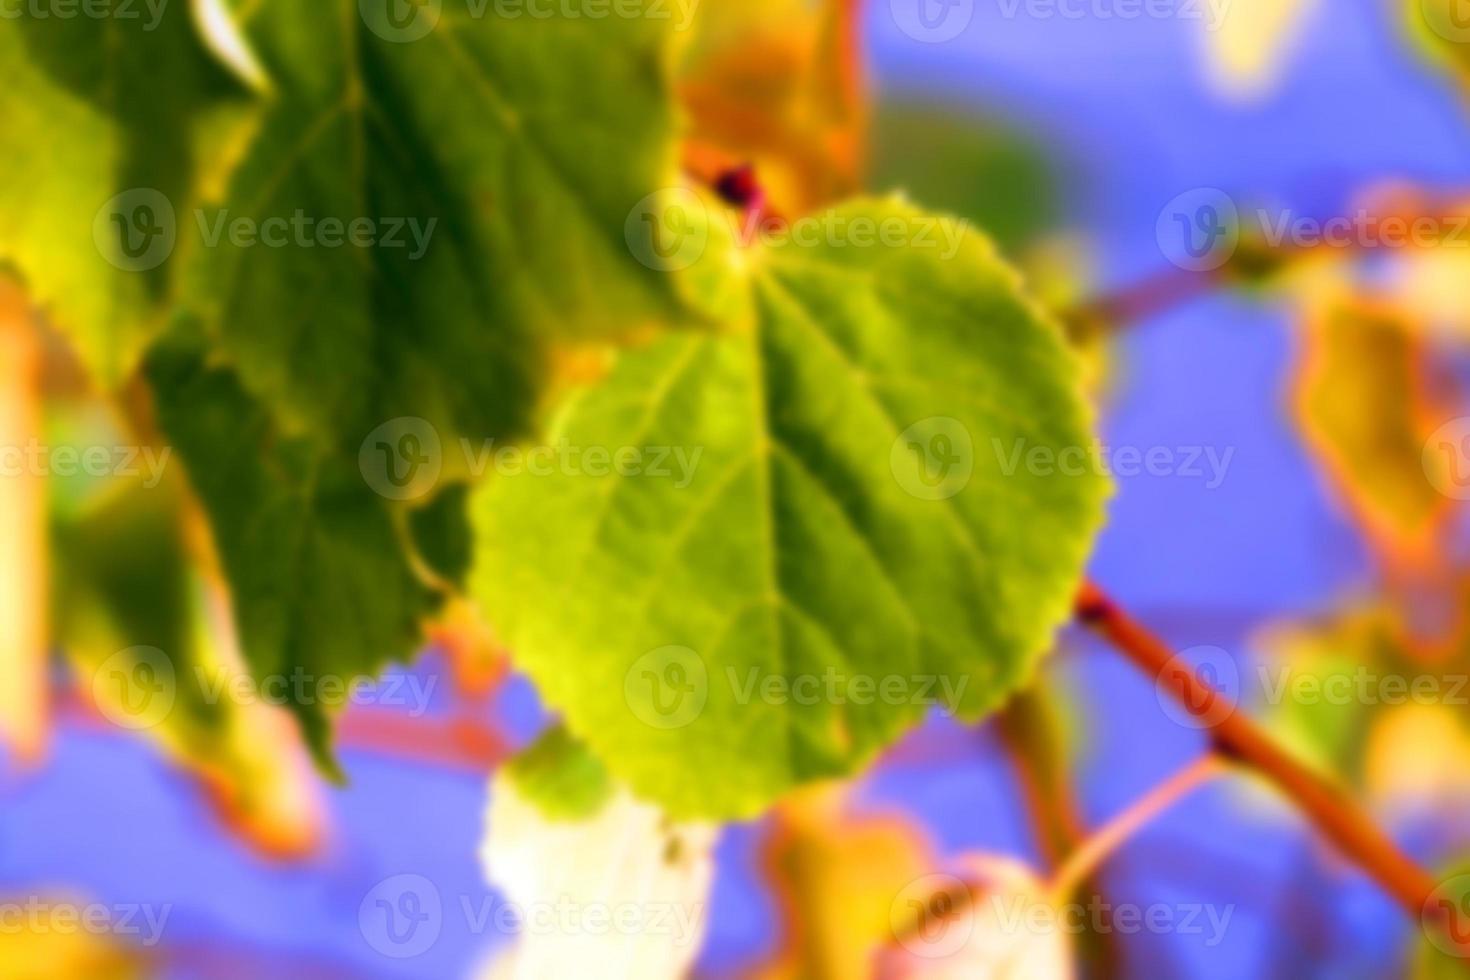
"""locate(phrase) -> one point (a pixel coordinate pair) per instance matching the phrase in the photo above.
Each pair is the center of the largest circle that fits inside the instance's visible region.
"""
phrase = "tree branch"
(1237, 739)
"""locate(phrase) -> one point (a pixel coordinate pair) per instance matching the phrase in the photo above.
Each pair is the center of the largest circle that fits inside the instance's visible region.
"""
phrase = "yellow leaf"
(775, 83)
(33, 952)
(837, 876)
(1248, 42)
(1364, 403)
(1418, 755)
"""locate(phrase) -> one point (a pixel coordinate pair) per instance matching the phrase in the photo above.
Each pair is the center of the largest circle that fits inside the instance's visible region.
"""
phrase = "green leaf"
(101, 115)
(1365, 400)
(320, 579)
(845, 505)
(560, 776)
(505, 155)
(497, 160)
(122, 565)
(442, 536)
(123, 584)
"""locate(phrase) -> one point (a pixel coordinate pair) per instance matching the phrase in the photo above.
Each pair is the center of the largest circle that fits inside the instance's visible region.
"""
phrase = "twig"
(1032, 735)
(1237, 739)
(1029, 731)
(1106, 839)
(961, 897)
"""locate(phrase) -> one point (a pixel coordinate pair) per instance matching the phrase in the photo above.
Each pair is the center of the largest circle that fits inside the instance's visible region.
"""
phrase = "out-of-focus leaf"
(442, 535)
(320, 579)
(128, 576)
(517, 147)
(560, 776)
(847, 505)
(968, 165)
(1364, 405)
(626, 862)
(1363, 699)
(504, 155)
(1009, 929)
(1417, 758)
(775, 83)
(1424, 280)
(1059, 272)
(49, 953)
(1248, 43)
(1323, 731)
(836, 875)
(96, 107)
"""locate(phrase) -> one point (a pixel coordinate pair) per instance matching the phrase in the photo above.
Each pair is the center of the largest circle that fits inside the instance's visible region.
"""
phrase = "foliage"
(819, 387)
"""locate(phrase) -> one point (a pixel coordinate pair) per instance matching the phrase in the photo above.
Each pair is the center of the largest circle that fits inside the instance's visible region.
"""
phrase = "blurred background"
(1320, 379)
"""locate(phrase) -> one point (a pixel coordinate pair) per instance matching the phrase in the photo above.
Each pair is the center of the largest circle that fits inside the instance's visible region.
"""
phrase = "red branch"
(1237, 739)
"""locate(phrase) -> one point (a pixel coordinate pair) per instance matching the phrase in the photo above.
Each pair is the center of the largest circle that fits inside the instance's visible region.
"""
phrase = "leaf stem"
(1096, 849)
(1033, 737)
(1237, 739)
(1089, 855)
(1028, 728)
